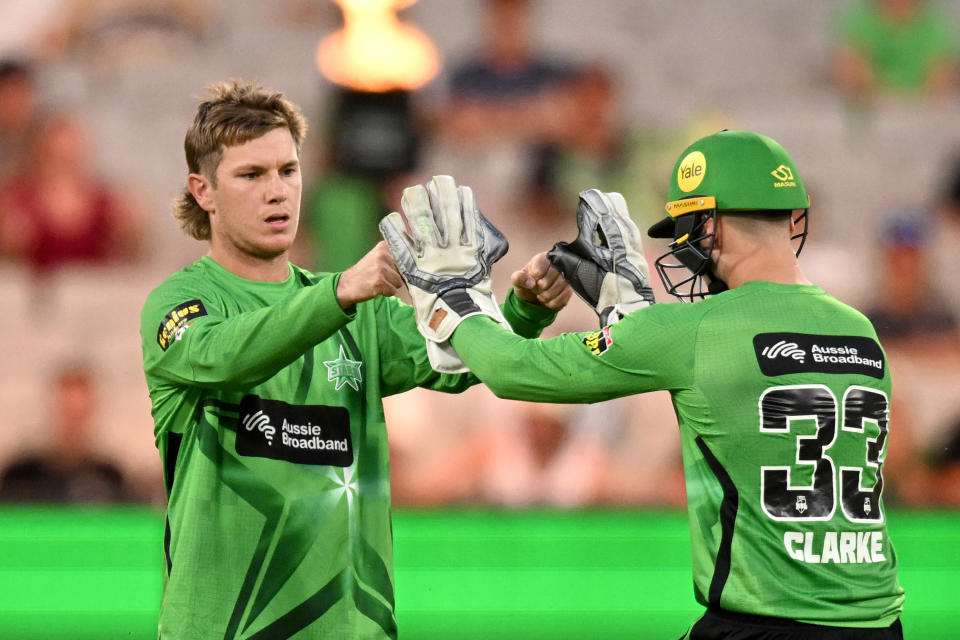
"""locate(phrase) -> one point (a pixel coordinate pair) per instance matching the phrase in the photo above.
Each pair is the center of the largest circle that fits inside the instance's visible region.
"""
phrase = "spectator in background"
(506, 112)
(18, 97)
(945, 239)
(112, 34)
(907, 308)
(520, 454)
(944, 455)
(68, 470)
(539, 459)
(921, 337)
(54, 210)
(372, 148)
(595, 148)
(945, 477)
(507, 92)
(599, 149)
(899, 47)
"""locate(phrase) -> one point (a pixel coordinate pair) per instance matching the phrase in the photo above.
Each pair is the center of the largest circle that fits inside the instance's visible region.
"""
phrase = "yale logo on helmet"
(784, 176)
(691, 171)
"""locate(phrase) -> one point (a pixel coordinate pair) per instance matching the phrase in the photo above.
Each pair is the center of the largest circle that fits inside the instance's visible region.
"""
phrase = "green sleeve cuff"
(526, 318)
(329, 299)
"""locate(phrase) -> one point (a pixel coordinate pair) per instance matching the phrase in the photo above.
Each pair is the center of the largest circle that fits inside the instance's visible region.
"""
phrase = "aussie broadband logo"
(261, 422)
(784, 349)
(691, 171)
(306, 434)
(783, 353)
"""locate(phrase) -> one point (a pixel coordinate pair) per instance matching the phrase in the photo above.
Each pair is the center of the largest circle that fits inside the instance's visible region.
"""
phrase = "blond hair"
(236, 112)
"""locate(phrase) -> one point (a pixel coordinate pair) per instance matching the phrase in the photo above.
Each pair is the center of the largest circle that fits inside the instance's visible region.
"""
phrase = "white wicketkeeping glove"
(605, 264)
(444, 249)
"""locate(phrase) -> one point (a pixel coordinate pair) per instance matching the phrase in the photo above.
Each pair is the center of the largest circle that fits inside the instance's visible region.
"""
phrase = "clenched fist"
(538, 282)
(373, 275)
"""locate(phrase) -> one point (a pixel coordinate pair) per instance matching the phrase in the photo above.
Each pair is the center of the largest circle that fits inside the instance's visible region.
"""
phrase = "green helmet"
(726, 171)
(740, 170)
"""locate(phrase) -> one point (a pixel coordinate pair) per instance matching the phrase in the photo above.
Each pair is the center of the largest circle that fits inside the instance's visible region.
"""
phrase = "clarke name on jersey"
(838, 547)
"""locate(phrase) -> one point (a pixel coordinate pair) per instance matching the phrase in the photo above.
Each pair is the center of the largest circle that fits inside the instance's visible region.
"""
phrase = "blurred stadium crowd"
(534, 101)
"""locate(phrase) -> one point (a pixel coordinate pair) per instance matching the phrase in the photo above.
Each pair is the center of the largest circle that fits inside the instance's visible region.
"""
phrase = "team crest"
(344, 371)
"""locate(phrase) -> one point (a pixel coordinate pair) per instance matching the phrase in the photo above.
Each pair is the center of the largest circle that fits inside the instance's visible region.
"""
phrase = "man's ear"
(202, 190)
(713, 223)
(794, 220)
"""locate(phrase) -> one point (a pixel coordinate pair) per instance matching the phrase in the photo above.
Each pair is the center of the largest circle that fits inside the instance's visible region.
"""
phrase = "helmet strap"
(688, 234)
(716, 286)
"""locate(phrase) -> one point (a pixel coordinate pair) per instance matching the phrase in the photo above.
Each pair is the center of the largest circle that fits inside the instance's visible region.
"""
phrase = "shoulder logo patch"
(599, 341)
(177, 321)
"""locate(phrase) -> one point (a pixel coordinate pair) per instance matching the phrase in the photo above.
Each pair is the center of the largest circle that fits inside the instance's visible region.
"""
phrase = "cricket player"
(266, 382)
(781, 392)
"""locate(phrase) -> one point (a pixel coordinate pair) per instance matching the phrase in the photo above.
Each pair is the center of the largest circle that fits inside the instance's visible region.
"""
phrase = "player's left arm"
(645, 351)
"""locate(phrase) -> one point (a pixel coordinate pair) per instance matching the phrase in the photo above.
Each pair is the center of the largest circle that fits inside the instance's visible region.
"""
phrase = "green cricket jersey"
(782, 396)
(267, 405)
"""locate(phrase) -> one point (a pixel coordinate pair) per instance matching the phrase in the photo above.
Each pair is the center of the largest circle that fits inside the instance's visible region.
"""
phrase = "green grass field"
(464, 574)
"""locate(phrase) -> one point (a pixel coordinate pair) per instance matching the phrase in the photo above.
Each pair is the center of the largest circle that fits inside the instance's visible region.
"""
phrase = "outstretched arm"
(570, 368)
(190, 336)
(193, 337)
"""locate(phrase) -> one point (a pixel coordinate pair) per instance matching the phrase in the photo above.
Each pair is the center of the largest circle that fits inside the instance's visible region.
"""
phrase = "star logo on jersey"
(344, 371)
(347, 483)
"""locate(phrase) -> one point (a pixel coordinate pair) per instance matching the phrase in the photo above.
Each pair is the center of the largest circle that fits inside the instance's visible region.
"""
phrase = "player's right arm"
(190, 336)
(373, 275)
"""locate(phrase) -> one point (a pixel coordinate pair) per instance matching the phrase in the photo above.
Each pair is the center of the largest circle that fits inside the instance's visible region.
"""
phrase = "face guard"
(683, 267)
(686, 269)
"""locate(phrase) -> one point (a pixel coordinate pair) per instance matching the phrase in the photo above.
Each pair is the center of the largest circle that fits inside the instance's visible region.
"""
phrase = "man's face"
(255, 207)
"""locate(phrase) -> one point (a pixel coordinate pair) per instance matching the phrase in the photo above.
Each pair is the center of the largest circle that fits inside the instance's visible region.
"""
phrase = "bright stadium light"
(375, 51)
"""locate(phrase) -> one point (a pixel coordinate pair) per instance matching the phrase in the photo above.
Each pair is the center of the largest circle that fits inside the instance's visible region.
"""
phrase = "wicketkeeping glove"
(444, 249)
(605, 264)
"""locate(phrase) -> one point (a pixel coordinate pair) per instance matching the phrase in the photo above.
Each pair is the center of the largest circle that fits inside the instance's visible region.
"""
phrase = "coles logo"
(691, 171)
